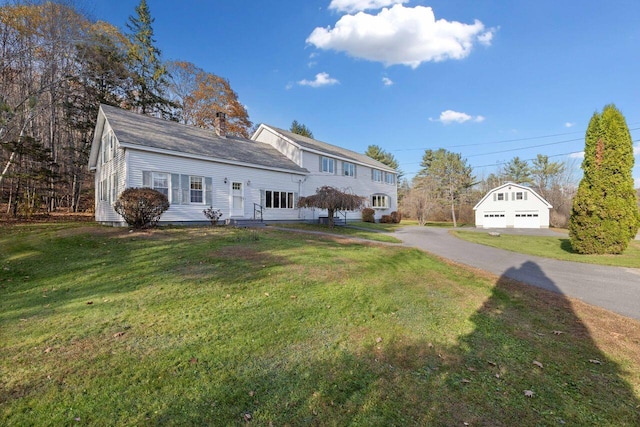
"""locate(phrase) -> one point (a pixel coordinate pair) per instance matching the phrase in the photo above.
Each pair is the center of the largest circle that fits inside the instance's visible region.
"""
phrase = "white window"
(161, 183)
(114, 187)
(348, 169)
(196, 189)
(104, 194)
(108, 146)
(327, 165)
(379, 201)
(389, 178)
(376, 175)
(278, 200)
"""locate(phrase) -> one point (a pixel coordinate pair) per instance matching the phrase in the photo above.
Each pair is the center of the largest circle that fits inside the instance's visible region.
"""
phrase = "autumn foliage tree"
(199, 95)
(332, 199)
(605, 216)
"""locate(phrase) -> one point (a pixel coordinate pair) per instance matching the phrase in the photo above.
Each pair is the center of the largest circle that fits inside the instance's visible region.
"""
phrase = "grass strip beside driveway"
(551, 247)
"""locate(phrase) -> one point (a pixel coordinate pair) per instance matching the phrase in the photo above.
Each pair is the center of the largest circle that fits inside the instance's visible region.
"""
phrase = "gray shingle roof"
(134, 129)
(314, 144)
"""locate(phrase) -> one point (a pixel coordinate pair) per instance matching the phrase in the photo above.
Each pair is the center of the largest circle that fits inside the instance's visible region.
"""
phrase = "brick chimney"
(220, 124)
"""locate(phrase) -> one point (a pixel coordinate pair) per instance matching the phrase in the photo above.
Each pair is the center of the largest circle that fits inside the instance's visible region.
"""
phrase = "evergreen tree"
(300, 129)
(384, 157)
(517, 171)
(449, 173)
(150, 77)
(605, 216)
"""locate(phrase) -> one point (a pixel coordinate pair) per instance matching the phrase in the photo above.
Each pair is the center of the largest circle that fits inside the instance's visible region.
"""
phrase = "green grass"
(208, 326)
(374, 234)
(552, 247)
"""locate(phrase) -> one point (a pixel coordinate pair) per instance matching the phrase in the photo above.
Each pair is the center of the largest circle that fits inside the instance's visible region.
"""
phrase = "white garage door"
(527, 220)
(494, 220)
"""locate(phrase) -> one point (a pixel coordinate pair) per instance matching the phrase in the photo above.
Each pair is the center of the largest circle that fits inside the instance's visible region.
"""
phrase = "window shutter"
(372, 174)
(174, 191)
(320, 166)
(295, 200)
(335, 167)
(208, 191)
(494, 197)
(146, 179)
(525, 195)
(262, 198)
(355, 171)
(513, 196)
(185, 184)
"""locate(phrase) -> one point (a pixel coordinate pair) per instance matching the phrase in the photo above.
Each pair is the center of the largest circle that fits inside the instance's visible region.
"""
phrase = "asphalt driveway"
(614, 288)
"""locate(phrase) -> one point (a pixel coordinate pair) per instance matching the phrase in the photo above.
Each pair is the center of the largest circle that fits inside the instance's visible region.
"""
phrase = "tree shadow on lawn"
(536, 362)
(565, 245)
(525, 341)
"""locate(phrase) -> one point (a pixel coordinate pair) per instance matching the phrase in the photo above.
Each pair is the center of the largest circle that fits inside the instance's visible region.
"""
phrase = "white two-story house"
(261, 177)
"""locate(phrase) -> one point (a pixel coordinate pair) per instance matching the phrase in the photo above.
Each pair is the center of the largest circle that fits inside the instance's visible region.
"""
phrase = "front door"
(237, 199)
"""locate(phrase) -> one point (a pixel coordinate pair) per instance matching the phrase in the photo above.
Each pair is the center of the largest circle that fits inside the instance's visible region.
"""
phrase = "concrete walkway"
(614, 288)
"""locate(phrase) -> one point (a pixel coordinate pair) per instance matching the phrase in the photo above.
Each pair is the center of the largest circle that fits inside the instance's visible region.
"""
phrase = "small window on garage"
(519, 195)
(500, 196)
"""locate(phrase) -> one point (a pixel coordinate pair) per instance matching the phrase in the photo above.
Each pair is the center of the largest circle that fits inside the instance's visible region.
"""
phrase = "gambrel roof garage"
(512, 206)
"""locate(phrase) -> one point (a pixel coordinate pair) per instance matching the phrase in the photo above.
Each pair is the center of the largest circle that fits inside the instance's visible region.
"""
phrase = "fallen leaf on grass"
(558, 332)
(465, 381)
(118, 334)
(529, 393)
(48, 350)
(89, 302)
(472, 369)
(595, 361)
(252, 393)
(379, 339)
(538, 364)
(193, 361)
(492, 363)
(247, 417)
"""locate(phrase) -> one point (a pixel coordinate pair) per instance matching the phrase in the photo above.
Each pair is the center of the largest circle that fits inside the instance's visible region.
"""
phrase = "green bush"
(141, 207)
(368, 215)
(396, 217)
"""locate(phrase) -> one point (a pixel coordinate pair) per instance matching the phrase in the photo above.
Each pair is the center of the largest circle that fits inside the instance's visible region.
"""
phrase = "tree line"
(56, 67)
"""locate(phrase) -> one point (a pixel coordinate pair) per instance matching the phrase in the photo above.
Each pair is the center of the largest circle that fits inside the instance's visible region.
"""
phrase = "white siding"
(362, 185)
(253, 181)
(116, 166)
(282, 145)
(510, 206)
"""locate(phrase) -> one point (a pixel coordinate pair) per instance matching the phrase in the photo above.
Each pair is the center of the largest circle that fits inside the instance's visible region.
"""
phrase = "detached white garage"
(512, 206)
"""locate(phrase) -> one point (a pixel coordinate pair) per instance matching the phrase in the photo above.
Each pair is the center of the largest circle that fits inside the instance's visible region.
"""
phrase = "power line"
(511, 140)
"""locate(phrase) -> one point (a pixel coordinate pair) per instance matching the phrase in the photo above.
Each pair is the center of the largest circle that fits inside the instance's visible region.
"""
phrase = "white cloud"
(636, 150)
(569, 125)
(387, 81)
(450, 116)
(578, 155)
(350, 6)
(401, 35)
(637, 182)
(322, 79)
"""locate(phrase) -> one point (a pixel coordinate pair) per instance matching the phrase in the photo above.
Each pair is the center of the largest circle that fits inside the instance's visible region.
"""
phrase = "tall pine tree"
(150, 77)
(605, 216)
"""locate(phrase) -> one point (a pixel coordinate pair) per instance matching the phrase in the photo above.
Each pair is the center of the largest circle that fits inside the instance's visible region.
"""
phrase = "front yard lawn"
(224, 326)
(552, 247)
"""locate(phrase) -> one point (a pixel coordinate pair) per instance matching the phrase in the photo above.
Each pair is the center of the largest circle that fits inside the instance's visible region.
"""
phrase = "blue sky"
(488, 79)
